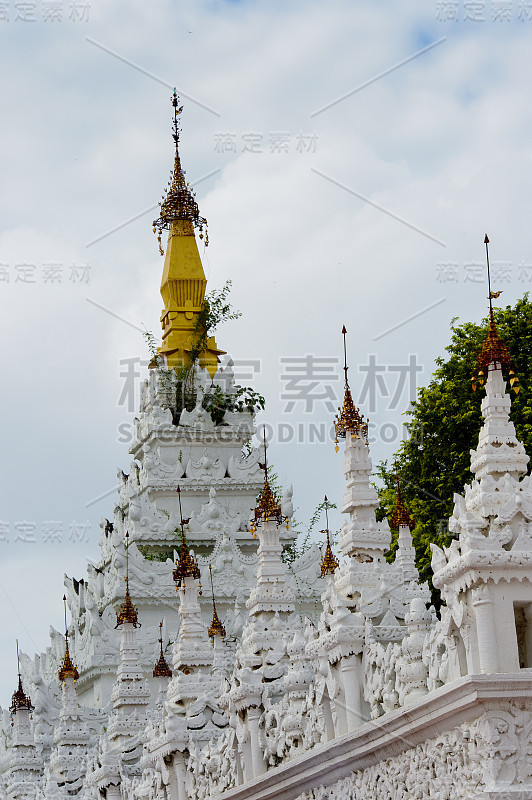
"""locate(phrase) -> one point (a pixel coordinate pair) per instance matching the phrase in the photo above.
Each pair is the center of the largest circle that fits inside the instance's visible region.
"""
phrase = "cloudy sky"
(349, 158)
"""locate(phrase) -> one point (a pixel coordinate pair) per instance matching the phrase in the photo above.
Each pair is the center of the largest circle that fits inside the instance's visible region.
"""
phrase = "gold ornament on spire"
(350, 418)
(329, 562)
(494, 351)
(267, 507)
(128, 612)
(68, 669)
(401, 517)
(187, 566)
(216, 629)
(161, 669)
(19, 699)
(178, 203)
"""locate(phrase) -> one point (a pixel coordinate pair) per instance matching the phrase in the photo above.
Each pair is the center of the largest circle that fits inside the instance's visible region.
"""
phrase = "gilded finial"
(128, 612)
(267, 507)
(216, 629)
(401, 517)
(68, 669)
(161, 669)
(187, 566)
(19, 699)
(329, 563)
(349, 418)
(494, 351)
(178, 203)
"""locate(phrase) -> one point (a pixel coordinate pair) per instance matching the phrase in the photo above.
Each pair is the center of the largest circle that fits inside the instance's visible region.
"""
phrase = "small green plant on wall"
(215, 309)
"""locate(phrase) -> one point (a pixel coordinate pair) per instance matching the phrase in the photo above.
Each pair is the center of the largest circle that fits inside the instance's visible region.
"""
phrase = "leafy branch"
(217, 402)
(215, 309)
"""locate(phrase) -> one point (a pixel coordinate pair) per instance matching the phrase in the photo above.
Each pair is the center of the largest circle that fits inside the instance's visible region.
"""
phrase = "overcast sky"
(349, 158)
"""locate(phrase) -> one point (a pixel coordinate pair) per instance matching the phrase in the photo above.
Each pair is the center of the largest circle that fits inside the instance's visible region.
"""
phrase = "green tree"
(445, 420)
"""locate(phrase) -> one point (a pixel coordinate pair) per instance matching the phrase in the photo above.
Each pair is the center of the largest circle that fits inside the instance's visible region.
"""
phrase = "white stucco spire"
(130, 695)
(362, 537)
(405, 556)
(192, 654)
(499, 460)
(25, 760)
(367, 583)
(499, 451)
(72, 738)
(485, 574)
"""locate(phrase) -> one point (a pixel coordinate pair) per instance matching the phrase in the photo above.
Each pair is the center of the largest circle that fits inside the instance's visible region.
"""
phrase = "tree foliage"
(445, 420)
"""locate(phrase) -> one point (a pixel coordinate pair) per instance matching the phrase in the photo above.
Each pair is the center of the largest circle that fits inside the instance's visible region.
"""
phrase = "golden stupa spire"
(187, 566)
(183, 283)
(401, 516)
(349, 418)
(68, 669)
(216, 629)
(161, 669)
(329, 562)
(19, 699)
(128, 612)
(267, 507)
(494, 351)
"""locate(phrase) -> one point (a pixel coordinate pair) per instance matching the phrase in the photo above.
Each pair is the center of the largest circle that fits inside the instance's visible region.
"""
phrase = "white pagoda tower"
(371, 696)
(177, 442)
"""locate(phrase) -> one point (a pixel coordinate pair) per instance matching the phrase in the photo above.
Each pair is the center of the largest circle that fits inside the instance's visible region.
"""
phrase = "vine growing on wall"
(303, 539)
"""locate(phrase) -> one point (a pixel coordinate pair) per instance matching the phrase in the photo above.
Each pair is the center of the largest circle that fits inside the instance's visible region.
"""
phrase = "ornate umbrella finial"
(68, 669)
(161, 669)
(401, 516)
(128, 612)
(178, 203)
(329, 562)
(349, 418)
(187, 566)
(216, 629)
(494, 351)
(267, 507)
(19, 699)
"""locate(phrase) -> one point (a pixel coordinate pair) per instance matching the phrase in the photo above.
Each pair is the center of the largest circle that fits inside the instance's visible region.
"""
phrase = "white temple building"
(328, 678)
